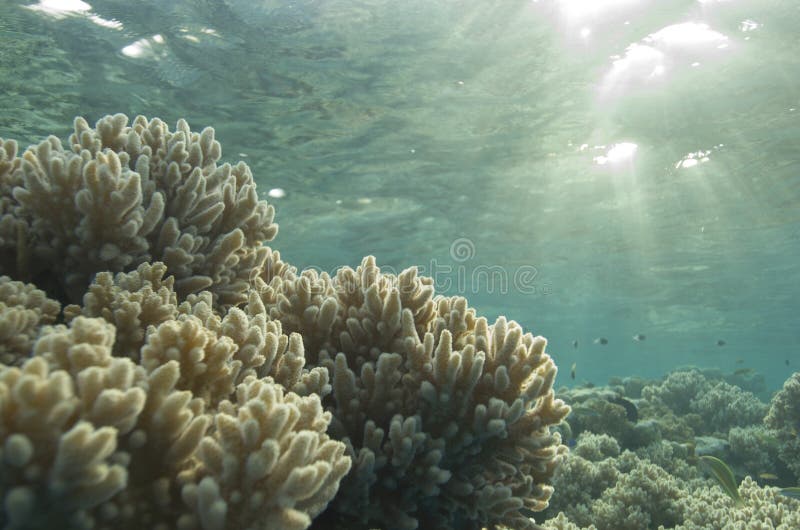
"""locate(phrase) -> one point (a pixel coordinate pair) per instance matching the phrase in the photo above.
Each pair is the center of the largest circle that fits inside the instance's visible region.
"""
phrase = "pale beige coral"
(595, 447)
(59, 435)
(131, 301)
(438, 407)
(242, 341)
(753, 450)
(267, 464)
(90, 440)
(14, 252)
(597, 485)
(678, 390)
(579, 481)
(723, 406)
(126, 195)
(194, 402)
(644, 497)
(764, 509)
(24, 309)
(784, 419)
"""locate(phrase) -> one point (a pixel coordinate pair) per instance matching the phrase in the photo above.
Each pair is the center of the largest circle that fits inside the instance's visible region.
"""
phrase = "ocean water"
(597, 168)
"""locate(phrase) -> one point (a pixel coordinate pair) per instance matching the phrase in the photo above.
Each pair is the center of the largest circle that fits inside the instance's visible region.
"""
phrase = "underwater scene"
(398, 265)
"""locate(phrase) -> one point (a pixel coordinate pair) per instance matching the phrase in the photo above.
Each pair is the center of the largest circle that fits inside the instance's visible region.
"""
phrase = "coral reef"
(784, 419)
(597, 485)
(194, 380)
(644, 474)
(764, 507)
(706, 406)
(723, 406)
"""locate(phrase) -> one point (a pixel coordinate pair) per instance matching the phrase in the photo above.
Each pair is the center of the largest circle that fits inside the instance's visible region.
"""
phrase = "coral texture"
(197, 381)
(784, 419)
(122, 195)
(24, 309)
(98, 440)
(764, 508)
(659, 485)
(446, 417)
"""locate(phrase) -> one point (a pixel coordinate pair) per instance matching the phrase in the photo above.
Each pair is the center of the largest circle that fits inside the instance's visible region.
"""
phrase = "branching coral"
(98, 440)
(203, 383)
(707, 406)
(678, 390)
(24, 309)
(267, 463)
(724, 406)
(447, 418)
(122, 196)
(784, 419)
(764, 508)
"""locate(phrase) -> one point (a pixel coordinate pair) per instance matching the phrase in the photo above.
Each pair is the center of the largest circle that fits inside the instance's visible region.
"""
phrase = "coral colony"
(162, 368)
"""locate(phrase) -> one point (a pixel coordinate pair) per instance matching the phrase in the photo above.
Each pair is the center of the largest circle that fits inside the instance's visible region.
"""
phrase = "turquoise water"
(591, 169)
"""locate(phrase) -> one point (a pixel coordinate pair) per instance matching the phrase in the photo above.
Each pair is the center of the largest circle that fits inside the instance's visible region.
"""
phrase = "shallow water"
(591, 169)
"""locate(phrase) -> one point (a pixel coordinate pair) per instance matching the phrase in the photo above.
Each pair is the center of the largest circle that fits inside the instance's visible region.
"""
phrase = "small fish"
(575, 345)
(739, 361)
(572, 371)
(743, 371)
(720, 342)
(768, 476)
(631, 412)
(787, 362)
(639, 337)
(601, 340)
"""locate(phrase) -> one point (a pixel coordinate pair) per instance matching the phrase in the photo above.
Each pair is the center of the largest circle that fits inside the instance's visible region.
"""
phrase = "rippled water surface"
(597, 168)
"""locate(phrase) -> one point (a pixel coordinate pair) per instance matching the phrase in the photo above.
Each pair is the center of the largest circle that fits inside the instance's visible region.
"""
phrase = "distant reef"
(161, 368)
(641, 471)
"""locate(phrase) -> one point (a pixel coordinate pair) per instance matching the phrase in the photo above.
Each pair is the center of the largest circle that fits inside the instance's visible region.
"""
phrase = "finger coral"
(447, 417)
(194, 380)
(91, 440)
(784, 418)
(122, 195)
(24, 309)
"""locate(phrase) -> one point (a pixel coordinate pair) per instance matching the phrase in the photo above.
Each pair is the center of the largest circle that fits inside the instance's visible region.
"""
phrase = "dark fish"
(572, 371)
(572, 442)
(575, 344)
(720, 342)
(787, 362)
(743, 371)
(639, 337)
(631, 412)
(601, 340)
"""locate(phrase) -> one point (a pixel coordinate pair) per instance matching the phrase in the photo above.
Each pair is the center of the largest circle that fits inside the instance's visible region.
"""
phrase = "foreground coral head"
(161, 368)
